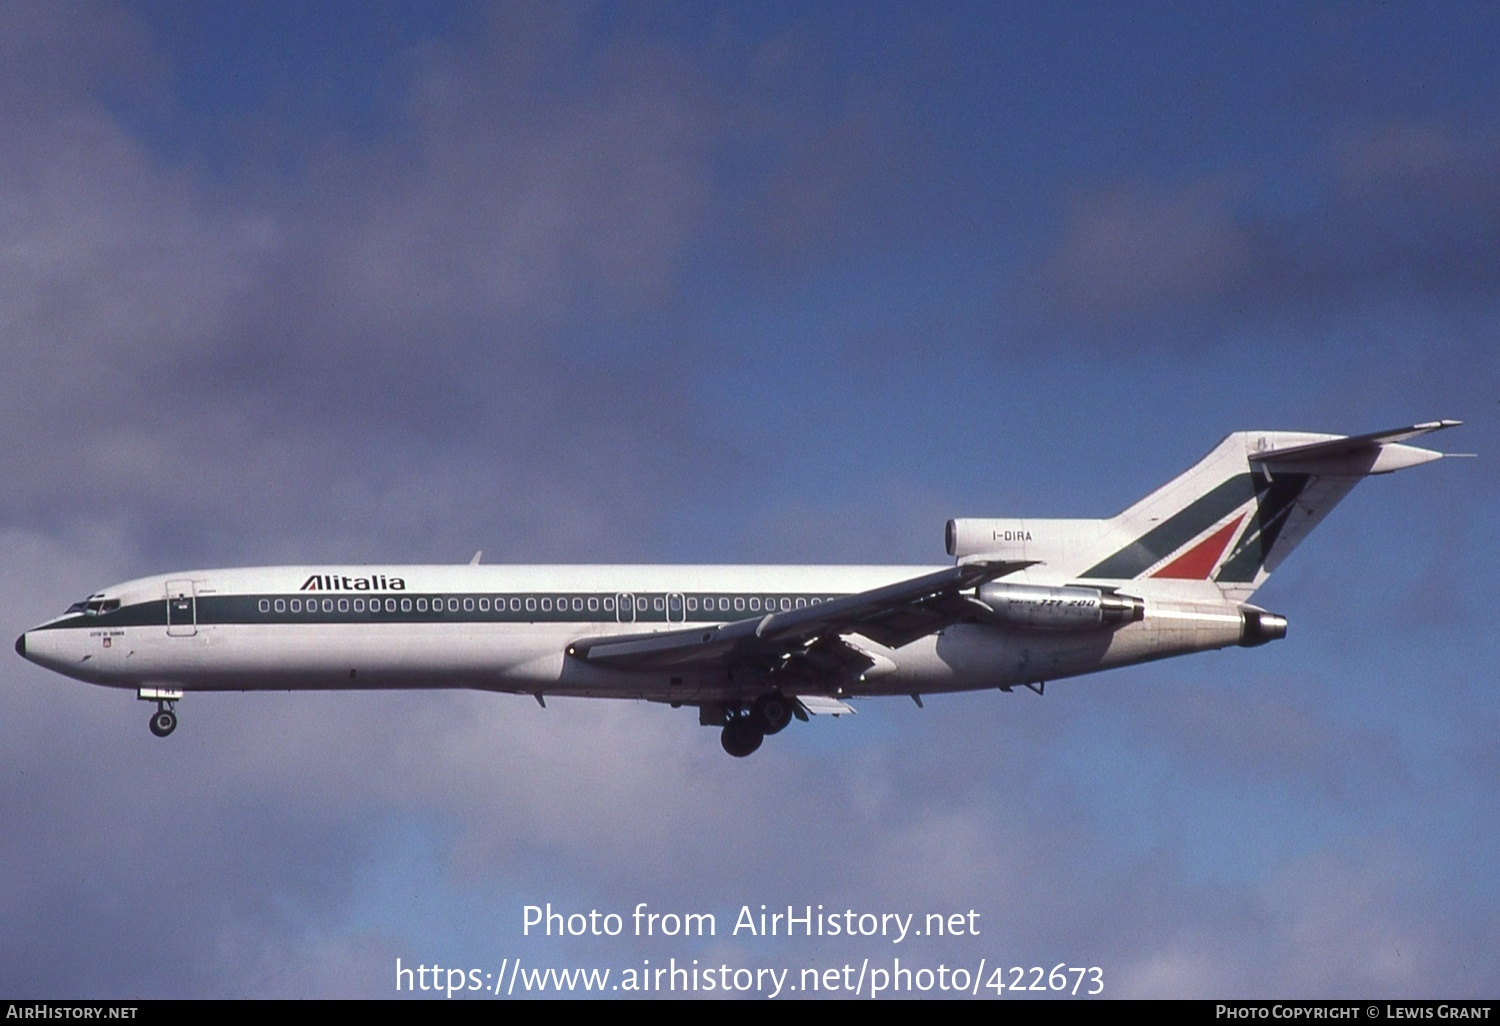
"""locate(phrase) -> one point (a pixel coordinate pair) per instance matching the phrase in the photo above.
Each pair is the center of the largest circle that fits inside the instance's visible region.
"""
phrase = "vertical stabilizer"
(1228, 522)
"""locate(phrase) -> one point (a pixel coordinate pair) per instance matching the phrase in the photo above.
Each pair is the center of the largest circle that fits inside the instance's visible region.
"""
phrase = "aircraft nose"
(21, 646)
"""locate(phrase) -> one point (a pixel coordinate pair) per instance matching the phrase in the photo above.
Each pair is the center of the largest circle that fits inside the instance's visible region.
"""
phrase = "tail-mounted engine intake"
(1029, 605)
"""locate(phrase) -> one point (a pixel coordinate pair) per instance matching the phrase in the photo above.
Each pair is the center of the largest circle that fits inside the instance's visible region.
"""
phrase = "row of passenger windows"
(712, 604)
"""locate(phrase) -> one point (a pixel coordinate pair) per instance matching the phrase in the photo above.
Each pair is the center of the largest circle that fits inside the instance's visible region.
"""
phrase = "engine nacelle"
(1260, 627)
(1055, 542)
(1030, 605)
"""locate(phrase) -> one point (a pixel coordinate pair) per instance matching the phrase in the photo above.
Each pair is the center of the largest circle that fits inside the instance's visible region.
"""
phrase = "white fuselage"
(508, 628)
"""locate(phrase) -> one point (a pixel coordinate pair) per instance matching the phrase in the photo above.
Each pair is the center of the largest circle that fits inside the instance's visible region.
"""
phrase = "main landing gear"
(746, 728)
(741, 736)
(164, 720)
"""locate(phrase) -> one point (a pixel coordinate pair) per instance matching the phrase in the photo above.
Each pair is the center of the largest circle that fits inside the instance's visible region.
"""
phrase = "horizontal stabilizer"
(1378, 452)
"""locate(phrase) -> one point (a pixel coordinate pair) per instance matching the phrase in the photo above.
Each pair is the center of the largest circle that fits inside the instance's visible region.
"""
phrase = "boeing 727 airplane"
(1026, 601)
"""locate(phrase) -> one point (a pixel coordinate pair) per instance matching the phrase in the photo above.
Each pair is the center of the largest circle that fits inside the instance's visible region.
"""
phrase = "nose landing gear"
(164, 720)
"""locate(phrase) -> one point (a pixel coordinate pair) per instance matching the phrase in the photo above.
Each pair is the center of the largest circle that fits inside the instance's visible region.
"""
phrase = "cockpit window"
(94, 606)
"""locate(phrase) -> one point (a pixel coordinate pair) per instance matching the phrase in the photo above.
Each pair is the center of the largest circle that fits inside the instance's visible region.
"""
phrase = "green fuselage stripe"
(1179, 529)
(1259, 538)
(408, 607)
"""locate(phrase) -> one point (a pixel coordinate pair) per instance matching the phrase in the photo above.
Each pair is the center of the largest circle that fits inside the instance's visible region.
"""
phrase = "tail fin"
(1233, 517)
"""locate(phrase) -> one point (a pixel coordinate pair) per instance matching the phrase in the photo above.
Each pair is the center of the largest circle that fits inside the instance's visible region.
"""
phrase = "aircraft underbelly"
(354, 656)
(969, 657)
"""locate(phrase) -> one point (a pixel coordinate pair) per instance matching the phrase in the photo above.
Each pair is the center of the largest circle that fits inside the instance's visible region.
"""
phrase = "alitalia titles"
(336, 582)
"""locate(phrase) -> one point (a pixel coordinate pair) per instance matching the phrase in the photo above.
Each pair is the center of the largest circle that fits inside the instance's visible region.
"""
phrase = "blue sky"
(380, 282)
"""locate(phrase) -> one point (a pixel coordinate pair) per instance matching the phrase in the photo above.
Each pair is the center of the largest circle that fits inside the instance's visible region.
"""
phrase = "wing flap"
(664, 648)
(822, 705)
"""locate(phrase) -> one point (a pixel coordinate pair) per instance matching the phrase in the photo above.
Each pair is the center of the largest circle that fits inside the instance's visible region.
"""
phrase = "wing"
(809, 643)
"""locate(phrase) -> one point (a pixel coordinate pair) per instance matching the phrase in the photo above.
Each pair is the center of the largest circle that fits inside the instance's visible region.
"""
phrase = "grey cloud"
(197, 356)
(1268, 733)
(53, 57)
(838, 186)
(1128, 250)
(1326, 925)
(1410, 211)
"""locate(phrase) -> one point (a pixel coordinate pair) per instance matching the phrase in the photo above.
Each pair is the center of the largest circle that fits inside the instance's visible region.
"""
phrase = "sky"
(777, 282)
